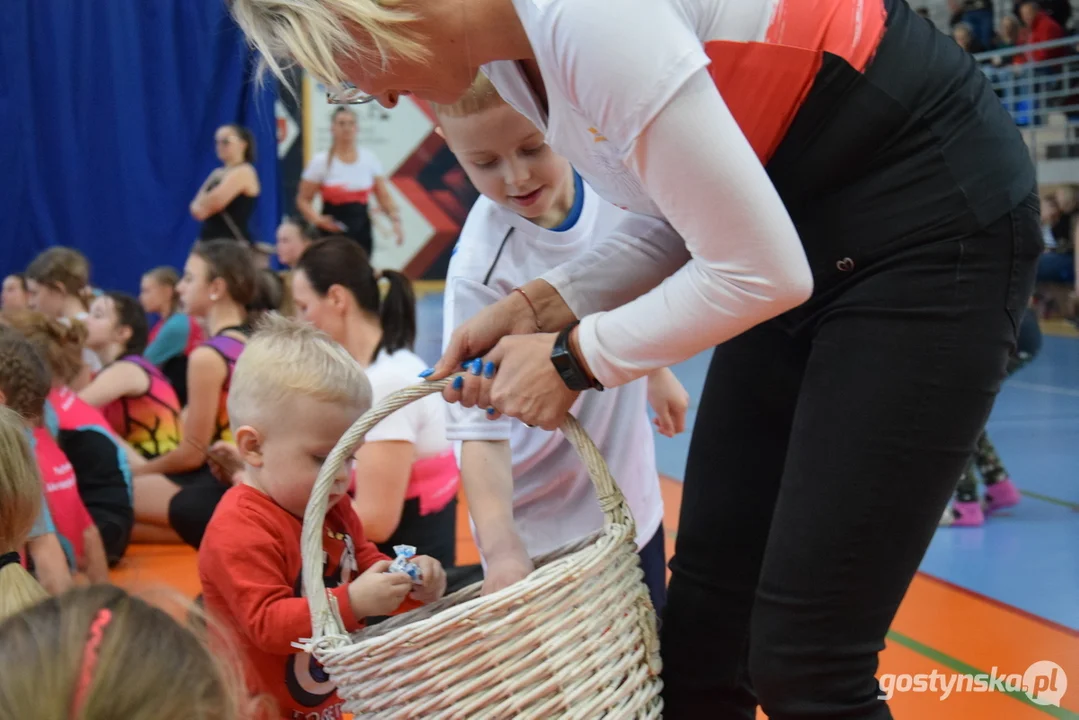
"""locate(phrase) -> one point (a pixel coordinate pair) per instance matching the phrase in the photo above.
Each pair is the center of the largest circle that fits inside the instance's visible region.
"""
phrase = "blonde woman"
(346, 176)
(828, 193)
(20, 503)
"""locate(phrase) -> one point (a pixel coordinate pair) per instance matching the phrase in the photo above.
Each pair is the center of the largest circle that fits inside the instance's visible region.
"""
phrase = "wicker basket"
(575, 639)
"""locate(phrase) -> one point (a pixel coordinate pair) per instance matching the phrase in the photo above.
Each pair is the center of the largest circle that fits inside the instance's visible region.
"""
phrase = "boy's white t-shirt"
(553, 499)
(423, 422)
(340, 182)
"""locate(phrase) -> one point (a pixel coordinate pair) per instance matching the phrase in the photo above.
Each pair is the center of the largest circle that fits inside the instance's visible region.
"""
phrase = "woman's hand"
(517, 379)
(327, 223)
(509, 316)
(398, 231)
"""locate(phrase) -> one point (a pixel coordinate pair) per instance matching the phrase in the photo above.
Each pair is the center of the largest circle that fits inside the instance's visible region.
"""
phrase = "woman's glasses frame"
(348, 94)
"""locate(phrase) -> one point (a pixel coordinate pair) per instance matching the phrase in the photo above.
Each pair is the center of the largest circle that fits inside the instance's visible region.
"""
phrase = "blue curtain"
(107, 115)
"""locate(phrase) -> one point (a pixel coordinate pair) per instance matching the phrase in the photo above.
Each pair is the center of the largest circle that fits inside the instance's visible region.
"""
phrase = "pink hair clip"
(89, 659)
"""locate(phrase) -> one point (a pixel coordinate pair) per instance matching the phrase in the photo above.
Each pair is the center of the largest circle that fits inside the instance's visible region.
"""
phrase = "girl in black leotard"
(227, 198)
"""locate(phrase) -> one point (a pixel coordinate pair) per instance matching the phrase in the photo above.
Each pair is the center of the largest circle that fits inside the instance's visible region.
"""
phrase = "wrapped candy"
(403, 562)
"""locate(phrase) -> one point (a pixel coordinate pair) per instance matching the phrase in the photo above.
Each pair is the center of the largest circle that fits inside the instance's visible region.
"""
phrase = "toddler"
(294, 393)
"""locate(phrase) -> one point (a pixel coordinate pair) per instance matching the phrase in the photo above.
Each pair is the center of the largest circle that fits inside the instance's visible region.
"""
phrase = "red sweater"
(250, 566)
(1044, 29)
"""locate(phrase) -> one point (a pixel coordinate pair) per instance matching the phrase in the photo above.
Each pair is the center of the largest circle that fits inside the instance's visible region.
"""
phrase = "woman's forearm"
(747, 265)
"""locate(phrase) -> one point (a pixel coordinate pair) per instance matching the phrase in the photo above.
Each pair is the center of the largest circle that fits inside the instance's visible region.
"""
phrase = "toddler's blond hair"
(287, 358)
(478, 98)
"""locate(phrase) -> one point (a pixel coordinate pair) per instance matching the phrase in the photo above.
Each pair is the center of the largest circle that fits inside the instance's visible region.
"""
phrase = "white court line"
(1051, 389)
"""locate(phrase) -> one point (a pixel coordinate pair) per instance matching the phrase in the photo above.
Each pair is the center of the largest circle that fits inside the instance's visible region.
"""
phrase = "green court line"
(961, 667)
(1050, 499)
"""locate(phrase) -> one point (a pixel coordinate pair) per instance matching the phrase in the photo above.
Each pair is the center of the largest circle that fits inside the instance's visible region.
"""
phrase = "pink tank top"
(434, 480)
(69, 515)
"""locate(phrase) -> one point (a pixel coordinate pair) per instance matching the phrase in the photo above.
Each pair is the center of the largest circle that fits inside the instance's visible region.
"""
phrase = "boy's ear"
(438, 131)
(249, 443)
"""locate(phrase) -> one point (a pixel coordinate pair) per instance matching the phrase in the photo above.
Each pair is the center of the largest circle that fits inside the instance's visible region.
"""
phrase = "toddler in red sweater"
(294, 393)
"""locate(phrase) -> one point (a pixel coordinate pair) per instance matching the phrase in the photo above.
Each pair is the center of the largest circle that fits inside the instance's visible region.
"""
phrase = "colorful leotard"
(228, 348)
(150, 422)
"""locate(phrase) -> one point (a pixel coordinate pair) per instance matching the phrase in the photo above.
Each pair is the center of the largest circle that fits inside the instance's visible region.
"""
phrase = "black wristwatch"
(567, 365)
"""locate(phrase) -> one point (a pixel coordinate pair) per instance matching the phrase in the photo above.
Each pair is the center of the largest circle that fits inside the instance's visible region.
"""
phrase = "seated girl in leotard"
(24, 385)
(218, 284)
(175, 334)
(406, 473)
(134, 395)
(98, 456)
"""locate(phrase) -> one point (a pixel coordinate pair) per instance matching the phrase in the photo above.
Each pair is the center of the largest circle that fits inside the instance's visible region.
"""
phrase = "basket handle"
(325, 620)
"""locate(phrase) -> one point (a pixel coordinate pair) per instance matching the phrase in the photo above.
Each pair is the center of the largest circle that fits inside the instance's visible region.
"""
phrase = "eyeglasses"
(348, 94)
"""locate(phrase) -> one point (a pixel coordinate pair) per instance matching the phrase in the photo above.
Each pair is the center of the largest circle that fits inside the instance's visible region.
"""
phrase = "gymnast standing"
(852, 223)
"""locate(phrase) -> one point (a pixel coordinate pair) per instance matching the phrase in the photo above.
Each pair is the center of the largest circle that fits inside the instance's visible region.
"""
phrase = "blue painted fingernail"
(427, 373)
(465, 364)
(477, 366)
(490, 411)
(458, 382)
(489, 370)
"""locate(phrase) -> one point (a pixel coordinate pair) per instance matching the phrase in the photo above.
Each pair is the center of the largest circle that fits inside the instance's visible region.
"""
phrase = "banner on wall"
(429, 187)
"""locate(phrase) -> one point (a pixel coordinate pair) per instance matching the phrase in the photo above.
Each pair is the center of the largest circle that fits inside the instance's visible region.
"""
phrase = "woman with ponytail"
(227, 198)
(20, 503)
(406, 476)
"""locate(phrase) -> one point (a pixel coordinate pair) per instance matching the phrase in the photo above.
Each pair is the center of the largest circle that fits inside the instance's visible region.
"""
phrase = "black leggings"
(190, 509)
(820, 463)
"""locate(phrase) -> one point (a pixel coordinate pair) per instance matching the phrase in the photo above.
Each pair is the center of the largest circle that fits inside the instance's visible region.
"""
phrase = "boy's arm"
(487, 474)
(247, 566)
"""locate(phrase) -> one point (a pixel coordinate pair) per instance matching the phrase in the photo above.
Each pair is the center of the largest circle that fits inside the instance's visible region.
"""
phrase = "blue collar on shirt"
(578, 204)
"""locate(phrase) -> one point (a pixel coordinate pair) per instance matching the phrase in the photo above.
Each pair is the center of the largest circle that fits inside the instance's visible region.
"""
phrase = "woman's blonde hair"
(99, 653)
(315, 33)
(20, 504)
(60, 343)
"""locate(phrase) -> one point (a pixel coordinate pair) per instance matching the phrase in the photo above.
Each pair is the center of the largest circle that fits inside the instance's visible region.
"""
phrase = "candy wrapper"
(403, 564)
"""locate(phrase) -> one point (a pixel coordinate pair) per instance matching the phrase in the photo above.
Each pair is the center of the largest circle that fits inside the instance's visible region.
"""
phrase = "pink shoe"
(963, 514)
(1003, 494)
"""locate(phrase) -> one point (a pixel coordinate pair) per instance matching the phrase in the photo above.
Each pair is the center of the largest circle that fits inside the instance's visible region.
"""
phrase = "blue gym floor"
(1027, 558)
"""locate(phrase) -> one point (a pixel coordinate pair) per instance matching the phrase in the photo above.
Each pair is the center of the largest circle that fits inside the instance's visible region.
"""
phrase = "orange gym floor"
(938, 628)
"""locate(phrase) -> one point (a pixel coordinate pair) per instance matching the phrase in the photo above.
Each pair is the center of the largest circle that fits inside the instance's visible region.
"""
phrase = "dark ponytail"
(129, 314)
(398, 313)
(341, 261)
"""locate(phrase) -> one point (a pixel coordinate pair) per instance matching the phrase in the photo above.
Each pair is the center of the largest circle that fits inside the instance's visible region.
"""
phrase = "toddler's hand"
(433, 578)
(377, 592)
(669, 400)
